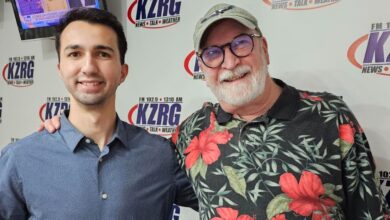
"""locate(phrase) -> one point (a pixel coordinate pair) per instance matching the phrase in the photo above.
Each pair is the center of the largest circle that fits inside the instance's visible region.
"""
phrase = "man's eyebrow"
(103, 47)
(72, 47)
(97, 47)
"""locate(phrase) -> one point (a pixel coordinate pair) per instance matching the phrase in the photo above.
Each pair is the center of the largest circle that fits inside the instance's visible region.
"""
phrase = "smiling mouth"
(90, 83)
(235, 77)
(90, 86)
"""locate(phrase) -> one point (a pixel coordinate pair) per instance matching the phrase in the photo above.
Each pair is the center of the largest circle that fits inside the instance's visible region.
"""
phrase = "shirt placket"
(104, 195)
(100, 162)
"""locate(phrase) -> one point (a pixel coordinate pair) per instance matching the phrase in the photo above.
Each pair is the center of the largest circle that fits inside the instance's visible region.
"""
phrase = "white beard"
(240, 93)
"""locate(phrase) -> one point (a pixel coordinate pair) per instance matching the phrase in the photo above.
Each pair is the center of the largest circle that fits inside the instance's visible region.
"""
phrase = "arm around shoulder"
(12, 203)
(185, 195)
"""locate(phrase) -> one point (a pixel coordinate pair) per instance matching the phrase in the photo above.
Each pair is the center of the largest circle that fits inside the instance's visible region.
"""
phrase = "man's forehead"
(85, 34)
(85, 27)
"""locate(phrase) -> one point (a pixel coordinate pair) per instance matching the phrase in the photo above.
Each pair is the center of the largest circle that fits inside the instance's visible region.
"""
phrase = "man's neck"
(258, 106)
(97, 123)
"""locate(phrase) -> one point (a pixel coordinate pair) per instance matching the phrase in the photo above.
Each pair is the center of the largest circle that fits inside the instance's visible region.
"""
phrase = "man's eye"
(104, 54)
(74, 54)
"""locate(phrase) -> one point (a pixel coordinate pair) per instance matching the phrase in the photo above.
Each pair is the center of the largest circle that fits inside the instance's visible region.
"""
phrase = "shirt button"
(88, 141)
(101, 160)
(104, 196)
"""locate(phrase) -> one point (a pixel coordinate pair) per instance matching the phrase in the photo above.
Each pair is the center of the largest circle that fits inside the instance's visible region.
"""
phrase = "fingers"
(49, 126)
(41, 127)
(56, 122)
(53, 124)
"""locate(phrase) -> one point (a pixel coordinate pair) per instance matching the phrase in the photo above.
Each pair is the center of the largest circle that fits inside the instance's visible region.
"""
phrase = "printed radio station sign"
(384, 180)
(191, 65)
(158, 115)
(371, 52)
(175, 212)
(19, 71)
(154, 13)
(13, 139)
(1, 109)
(53, 106)
(299, 4)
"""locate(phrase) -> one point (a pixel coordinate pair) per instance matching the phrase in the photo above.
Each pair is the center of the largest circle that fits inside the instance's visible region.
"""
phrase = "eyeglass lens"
(240, 46)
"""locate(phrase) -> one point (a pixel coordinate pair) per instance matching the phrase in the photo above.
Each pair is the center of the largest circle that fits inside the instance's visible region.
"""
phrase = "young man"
(268, 150)
(96, 166)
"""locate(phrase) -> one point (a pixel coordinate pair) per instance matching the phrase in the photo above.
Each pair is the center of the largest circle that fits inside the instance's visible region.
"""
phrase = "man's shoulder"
(331, 99)
(195, 123)
(201, 114)
(140, 135)
(26, 145)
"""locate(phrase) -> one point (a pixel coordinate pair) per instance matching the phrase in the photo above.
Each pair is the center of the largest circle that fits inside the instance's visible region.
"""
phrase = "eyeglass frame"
(222, 47)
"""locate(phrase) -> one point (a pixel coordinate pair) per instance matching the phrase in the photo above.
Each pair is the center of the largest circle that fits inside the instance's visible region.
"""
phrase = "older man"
(268, 150)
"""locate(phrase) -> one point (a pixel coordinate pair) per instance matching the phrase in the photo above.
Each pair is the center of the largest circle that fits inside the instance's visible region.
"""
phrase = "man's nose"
(230, 61)
(89, 65)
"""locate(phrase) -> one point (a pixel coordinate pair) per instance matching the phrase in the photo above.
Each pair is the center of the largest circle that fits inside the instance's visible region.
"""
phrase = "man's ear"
(264, 45)
(124, 72)
(59, 70)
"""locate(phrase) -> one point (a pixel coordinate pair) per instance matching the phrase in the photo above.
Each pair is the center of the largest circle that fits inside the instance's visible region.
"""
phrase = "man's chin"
(236, 100)
(90, 100)
(238, 96)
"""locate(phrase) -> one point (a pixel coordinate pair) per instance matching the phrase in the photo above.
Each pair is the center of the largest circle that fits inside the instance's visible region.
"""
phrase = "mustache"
(237, 72)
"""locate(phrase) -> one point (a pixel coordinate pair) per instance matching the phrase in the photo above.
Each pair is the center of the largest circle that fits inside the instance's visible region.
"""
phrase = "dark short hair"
(93, 16)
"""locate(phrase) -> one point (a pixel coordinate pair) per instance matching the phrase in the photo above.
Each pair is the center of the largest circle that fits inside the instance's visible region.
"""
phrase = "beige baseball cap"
(219, 12)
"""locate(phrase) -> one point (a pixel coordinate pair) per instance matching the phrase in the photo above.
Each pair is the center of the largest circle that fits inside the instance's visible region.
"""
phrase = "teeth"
(235, 77)
(90, 83)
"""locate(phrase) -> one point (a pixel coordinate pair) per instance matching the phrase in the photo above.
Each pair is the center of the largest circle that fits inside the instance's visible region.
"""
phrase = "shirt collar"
(285, 107)
(120, 132)
(72, 136)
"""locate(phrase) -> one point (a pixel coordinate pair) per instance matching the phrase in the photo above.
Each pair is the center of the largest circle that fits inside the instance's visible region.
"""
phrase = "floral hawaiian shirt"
(307, 158)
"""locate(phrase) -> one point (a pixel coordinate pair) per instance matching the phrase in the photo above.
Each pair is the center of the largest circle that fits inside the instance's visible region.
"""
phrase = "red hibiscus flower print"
(307, 195)
(206, 145)
(346, 133)
(230, 214)
(175, 135)
(306, 95)
(279, 217)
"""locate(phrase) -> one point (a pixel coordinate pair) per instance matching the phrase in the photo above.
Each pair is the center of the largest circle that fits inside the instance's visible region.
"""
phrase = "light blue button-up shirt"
(65, 176)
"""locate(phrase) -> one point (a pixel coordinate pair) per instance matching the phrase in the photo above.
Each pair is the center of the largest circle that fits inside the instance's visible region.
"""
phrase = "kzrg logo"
(53, 106)
(371, 52)
(14, 139)
(384, 180)
(154, 13)
(19, 71)
(299, 4)
(1, 108)
(191, 65)
(157, 115)
(175, 212)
